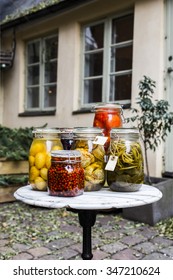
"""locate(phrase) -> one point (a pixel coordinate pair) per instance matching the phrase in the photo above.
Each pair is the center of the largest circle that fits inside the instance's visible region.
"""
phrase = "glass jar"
(66, 175)
(92, 158)
(44, 141)
(108, 116)
(67, 137)
(126, 154)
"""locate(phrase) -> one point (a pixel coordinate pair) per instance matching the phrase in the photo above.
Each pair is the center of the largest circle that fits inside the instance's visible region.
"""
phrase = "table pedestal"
(87, 219)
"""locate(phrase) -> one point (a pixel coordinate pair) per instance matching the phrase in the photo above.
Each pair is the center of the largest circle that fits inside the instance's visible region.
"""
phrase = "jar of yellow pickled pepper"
(44, 141)
(126, 164)
(92, 156)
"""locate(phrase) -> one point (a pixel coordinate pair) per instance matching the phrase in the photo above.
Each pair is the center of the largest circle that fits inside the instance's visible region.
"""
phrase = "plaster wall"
(147, 60)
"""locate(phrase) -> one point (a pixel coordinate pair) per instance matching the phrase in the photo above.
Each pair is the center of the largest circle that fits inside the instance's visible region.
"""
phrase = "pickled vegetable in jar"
(67, 137)
(92, 156)
(44, 141)
(66, 175)
(108, 116)
(126, 153)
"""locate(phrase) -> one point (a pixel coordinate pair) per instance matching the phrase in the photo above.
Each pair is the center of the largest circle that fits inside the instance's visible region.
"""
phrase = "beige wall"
(147, 60)
(148, 57)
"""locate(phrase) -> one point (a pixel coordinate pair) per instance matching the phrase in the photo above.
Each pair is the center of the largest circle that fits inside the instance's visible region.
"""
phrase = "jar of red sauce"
(66, 175)
(108, 116)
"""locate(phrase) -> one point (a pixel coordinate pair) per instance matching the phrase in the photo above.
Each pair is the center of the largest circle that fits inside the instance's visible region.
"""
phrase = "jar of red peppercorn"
(108, 116)
(88, 140)
(66, 175)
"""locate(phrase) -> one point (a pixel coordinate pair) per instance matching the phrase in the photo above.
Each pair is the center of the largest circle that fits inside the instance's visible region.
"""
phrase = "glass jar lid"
(44, 132)
(66, 154)
(124, 132)
(107, 107)
(87, 131)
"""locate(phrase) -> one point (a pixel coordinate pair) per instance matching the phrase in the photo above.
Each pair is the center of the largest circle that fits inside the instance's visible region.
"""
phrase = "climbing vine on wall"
(15, 143)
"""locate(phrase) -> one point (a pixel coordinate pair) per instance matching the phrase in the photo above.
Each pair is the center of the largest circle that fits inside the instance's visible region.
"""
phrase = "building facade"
(74, 54)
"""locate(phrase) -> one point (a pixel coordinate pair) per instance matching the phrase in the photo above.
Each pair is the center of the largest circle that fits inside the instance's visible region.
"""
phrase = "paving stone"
(48, 257)
(99, 255)
(113, 247)
(20, 247)
(113, 234)
(60, 243)
(3, 242)
(127, 254)
(23, 256)
(168, 251)
(148, 232)
(6, 250)
(162, 242)
(67, 254)
(132, 240)
(156, 256)
(145, 247)
(39, 251)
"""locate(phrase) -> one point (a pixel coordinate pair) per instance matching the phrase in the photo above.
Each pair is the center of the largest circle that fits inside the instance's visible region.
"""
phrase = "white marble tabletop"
(96, 200)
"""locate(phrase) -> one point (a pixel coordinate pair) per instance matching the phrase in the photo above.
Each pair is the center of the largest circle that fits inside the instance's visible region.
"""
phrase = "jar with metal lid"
(44, 141)
(126, 164)
(108, 116)
(66, 175)
(93, 154)
(67, 137)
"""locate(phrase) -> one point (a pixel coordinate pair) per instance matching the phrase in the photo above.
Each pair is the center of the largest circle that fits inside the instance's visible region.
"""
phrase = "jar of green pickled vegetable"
(90, 142)
(125, 167)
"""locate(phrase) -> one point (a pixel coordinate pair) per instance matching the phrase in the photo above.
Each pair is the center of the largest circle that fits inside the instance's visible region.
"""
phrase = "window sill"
(89, 110)
(37, 114)
(82, 111)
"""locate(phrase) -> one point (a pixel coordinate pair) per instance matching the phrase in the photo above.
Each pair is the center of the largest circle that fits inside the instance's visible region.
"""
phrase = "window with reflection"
(107, 61)
(41, 74)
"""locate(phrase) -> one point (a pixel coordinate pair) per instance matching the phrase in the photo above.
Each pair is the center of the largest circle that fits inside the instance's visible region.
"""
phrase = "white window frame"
(106, 60)
(42, 83)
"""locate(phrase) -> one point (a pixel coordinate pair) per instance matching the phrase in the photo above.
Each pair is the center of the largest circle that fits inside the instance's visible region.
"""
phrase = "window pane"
(93, 64)
(50, 96)
(121, 59)
(51, 48)
(94, 37)
(120, 87)
(33, 52)
(122, 29)
(33, 75)
(50, 74)
(92, 91)
(33, 98)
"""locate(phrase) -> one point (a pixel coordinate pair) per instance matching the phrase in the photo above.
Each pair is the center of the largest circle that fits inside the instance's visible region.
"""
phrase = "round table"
(88, 204)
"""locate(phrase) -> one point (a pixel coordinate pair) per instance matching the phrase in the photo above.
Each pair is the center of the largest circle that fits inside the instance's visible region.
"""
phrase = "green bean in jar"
(128, 174)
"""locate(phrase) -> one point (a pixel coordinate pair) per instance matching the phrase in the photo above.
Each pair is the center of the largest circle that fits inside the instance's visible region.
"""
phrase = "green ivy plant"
(153, 119)
(15, 143)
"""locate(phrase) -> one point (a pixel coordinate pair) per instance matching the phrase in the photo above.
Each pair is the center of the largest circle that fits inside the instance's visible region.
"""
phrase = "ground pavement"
(33, 233)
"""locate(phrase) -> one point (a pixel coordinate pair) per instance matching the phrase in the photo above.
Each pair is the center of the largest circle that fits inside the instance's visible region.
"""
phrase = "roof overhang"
(57, 8)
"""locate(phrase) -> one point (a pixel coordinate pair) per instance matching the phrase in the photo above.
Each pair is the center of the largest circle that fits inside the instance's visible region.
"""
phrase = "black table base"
(87, 220)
